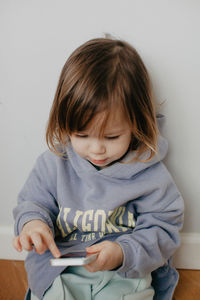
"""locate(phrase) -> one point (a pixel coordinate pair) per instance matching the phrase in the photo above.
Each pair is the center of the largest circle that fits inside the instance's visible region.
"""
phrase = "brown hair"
(99, 76)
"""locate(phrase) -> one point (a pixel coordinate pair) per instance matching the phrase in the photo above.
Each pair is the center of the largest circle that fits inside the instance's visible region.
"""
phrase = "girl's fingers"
(110, 256)
(95, 248)
(26, 242)
(38, 235)
(98, 264)
(42, 242)
(51, 245)
(16, 243)
(37, 241)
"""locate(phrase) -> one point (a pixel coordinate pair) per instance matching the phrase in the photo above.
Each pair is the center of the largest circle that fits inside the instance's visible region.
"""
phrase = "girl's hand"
(36, 234)
(110, 256)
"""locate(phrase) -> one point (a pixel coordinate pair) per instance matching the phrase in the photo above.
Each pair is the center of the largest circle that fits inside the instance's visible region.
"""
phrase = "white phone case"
(74, 260)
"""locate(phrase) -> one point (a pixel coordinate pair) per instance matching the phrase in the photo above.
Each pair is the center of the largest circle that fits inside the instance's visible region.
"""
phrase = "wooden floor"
(13, 282)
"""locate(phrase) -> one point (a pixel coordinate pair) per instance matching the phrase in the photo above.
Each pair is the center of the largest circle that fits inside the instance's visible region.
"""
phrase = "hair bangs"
(91, 97)
(84, 111)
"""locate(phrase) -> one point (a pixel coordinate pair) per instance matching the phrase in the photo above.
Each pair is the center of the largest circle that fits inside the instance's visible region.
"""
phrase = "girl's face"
(102, 151)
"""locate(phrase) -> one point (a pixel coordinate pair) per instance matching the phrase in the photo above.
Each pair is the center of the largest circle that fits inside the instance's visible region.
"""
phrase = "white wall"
(36, 38)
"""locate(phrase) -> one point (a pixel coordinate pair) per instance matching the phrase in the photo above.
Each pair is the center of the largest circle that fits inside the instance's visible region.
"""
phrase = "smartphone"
(73, 259)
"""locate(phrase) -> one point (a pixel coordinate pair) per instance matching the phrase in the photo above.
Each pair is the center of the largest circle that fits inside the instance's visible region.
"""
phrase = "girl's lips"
(98, 162)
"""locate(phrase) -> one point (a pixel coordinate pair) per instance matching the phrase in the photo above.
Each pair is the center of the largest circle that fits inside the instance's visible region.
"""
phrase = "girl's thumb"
(93, 249)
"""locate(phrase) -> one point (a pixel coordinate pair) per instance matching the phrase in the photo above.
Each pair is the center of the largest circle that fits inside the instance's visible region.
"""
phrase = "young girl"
(102, 187)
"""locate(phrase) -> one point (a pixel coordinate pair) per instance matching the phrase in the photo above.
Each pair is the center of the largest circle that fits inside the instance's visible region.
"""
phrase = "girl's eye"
(112, 137)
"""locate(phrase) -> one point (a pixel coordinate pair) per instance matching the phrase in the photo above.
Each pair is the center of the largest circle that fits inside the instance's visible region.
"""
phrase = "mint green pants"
(79, 284)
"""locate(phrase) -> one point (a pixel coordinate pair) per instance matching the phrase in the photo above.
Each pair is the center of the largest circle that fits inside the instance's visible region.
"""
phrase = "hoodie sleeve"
(159, 218)
(37, 199)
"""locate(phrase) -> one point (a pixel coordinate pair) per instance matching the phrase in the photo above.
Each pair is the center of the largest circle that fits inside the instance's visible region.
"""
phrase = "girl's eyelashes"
(79, 135)
(112, 137)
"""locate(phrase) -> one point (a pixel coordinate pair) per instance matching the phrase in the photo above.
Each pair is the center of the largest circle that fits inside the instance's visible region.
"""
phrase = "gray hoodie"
(134, 204)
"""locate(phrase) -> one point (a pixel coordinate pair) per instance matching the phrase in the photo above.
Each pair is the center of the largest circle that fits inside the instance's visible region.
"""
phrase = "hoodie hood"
(123, 169)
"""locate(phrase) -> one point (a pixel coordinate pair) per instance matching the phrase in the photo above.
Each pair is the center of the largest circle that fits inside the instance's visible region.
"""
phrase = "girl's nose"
(97, 147)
